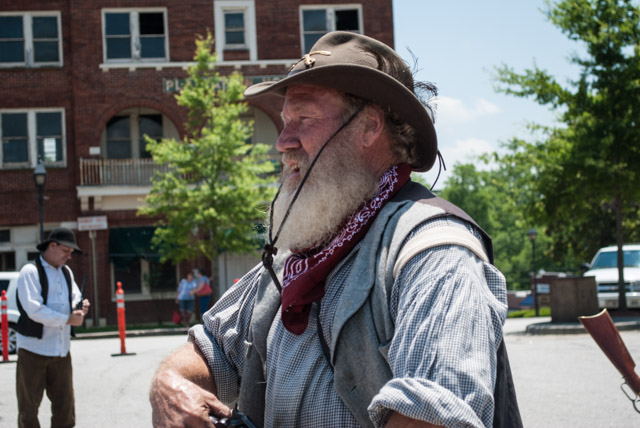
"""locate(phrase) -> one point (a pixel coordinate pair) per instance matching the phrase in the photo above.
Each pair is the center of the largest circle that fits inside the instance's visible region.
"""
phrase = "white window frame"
(134, 26)
(331, 18)
(247, 7)
(237, 46)
(27, 30)
(32, 139)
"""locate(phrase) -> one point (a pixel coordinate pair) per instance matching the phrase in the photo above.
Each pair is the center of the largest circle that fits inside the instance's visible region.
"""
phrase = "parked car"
(9, 282)
(604, 267)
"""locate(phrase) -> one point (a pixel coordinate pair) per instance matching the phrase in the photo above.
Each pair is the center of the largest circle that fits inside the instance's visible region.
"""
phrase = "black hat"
(63, 236)
(346, 61)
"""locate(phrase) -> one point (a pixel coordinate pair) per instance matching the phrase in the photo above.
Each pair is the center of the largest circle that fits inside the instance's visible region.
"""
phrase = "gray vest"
(362, 329)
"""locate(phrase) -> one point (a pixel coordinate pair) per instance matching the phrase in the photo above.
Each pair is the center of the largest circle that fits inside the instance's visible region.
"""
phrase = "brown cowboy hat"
(346, 61)
(62, 236)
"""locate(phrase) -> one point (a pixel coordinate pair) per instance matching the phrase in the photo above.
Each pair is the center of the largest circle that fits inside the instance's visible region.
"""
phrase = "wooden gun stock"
(607, 336)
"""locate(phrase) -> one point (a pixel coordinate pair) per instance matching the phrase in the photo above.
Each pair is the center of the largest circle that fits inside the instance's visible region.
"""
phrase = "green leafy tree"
(217, 183)
(587, 171)
(494, 198)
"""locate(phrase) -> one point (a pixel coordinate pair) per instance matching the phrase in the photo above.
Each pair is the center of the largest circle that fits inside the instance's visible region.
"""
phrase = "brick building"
(82, 80)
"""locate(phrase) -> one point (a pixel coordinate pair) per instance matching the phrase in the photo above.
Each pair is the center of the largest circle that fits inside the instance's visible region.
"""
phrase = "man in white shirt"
(48, 301)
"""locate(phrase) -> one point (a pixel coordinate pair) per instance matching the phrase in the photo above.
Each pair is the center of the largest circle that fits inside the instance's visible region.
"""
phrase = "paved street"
(562, 381)
(110, 391)
(565, 381)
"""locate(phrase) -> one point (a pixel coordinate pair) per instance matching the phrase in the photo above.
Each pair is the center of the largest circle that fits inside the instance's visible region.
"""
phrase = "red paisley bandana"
(304, 274)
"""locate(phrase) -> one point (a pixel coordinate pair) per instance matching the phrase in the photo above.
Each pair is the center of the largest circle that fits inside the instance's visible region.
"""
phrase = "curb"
(540, 328)
(132, 333)
(576, 327)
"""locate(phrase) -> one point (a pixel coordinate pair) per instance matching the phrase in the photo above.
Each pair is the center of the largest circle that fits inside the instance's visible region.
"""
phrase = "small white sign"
(94, 150)
(49, 146)
(543, 289)
(92, 223)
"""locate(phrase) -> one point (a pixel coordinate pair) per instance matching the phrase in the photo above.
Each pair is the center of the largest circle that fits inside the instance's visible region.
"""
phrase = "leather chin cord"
(270, 248)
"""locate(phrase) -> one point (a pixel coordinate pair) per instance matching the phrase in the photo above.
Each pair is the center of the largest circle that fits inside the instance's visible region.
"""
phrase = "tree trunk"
(622, 292)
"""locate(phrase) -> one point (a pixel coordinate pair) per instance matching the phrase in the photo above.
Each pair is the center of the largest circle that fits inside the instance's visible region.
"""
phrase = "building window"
(235, 26)
(125, 135)
(316, 21)
(118, 138)
(7, 261)
(31, 135)
(234, 36)
(30, 39)
(160, 276)
(135, 35)
(137, 264)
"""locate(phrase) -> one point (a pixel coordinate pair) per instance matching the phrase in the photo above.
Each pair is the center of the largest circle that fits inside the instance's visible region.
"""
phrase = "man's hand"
(76, 318)
(182, 392)
(85, 306)
(178, 402)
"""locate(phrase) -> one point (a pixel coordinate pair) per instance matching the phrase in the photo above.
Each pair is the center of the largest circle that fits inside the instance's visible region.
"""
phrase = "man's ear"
(373, 125)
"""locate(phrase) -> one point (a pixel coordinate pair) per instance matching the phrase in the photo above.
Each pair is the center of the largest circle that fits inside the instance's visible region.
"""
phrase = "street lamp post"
(532, 237)
(40, 176)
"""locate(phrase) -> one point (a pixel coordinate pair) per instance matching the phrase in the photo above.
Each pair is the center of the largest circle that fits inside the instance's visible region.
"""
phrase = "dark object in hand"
(84, 284)
(237, 419)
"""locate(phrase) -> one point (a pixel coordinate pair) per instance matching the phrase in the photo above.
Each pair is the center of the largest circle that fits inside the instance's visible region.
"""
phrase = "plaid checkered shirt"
(448, 307)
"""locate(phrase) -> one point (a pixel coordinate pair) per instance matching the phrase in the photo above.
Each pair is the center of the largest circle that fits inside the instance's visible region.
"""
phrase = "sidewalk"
(543, 325)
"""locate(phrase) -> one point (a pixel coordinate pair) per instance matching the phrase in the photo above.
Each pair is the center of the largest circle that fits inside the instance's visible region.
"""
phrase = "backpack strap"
(441, 235)
(26, 326)
(67, 276)
(66, 272)
(44, 281)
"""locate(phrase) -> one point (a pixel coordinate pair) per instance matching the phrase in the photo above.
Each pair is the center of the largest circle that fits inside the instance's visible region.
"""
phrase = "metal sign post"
(92, 224)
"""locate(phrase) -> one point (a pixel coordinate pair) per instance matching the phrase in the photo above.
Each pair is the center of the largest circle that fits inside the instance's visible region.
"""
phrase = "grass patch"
(529, 313)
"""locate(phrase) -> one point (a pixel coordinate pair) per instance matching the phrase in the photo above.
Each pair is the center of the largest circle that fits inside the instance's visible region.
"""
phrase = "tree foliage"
(494, 198)
(217, 182)
(586, 171)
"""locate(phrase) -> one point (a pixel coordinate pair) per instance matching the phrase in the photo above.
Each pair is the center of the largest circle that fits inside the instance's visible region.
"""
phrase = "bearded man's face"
(341, 180)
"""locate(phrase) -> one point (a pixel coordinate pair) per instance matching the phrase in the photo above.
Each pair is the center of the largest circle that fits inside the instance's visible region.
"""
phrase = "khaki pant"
(34, 374)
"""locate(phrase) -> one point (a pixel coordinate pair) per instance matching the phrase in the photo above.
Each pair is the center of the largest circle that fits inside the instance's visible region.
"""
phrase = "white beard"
(338, 185)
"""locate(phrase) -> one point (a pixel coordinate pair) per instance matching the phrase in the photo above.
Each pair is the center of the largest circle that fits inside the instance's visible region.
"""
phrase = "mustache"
(298, 158)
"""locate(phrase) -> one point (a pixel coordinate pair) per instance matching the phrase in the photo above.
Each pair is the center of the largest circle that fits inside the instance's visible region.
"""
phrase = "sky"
(458, 44)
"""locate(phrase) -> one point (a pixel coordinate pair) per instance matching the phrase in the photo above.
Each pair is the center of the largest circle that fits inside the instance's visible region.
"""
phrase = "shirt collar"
(47, 265)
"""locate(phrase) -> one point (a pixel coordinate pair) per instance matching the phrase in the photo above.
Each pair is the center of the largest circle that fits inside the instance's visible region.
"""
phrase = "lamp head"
(40, 174)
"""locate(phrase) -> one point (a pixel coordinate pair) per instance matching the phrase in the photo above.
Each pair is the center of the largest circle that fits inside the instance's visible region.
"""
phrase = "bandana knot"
(305, 273)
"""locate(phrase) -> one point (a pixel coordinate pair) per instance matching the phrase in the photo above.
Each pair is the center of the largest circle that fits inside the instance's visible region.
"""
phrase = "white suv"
(9, 282)
(604, 267)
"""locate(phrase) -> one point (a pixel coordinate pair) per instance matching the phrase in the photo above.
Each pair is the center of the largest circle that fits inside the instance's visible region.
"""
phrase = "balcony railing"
(118, 172)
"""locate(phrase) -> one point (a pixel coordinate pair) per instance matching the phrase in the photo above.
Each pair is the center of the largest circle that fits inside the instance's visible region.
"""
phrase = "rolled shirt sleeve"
(449, 308)
(221, 338)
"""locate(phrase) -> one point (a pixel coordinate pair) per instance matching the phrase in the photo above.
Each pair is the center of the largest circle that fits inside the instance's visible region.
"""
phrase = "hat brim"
(43, 245)
(372, 85)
